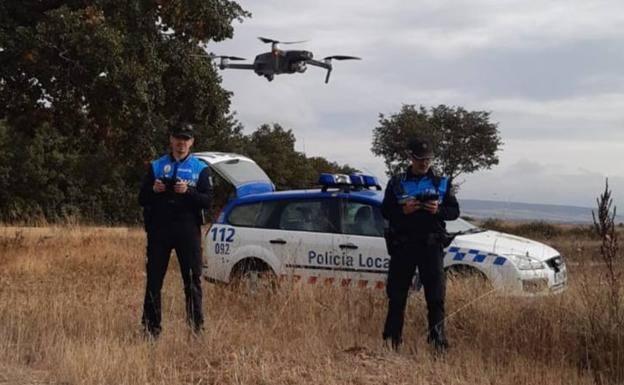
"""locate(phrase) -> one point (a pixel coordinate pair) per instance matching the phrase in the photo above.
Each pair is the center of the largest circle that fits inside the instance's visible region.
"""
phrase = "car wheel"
(252, 276)
(468, 277)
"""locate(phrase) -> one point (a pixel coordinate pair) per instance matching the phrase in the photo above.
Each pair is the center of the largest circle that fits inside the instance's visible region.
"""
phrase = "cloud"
(534, 182)
(591, 117)
(549, 71)
(445, 27)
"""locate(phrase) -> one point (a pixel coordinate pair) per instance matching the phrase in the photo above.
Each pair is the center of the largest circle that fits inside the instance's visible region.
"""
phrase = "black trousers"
(185, 238)
(428, 257)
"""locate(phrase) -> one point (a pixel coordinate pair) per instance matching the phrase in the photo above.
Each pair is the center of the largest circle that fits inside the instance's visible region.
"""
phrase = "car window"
(239, 171)
(362, 219)
(268, 217)
(245, 215)
(308, 215)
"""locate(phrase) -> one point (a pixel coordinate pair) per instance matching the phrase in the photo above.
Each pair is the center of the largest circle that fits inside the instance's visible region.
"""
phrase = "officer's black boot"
(437, 338)
(150, 332)
(393, 343)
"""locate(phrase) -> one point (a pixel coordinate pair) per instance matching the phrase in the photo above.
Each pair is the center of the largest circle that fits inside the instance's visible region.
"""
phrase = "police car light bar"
(371, 181)
(357, 180)
(354, 180)
(334, 180)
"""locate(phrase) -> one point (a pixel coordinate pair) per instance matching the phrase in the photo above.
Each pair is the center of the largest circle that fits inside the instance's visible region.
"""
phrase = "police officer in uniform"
(416, 204)
(175, 190)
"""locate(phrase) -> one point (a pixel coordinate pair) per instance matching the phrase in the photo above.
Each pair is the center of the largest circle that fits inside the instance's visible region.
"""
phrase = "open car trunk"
(245, 176)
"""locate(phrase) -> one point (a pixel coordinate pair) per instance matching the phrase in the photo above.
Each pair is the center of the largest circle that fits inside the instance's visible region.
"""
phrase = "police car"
(334, 235)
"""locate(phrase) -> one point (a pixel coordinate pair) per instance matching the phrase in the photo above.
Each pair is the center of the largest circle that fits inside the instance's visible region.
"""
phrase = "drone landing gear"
(269, 77)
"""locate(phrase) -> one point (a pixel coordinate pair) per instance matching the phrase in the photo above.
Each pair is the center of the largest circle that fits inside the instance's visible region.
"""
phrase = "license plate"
(561, 276)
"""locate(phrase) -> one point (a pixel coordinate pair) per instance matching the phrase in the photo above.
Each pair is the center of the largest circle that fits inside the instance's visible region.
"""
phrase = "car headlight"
(525, 262)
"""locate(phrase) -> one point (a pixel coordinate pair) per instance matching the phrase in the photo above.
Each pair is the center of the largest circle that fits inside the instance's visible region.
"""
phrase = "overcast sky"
(550, 71)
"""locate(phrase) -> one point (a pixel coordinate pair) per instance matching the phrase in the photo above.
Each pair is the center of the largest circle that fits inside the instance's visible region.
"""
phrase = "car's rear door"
(362, 227)
(241, 172)
(237, 238)
(304, 234)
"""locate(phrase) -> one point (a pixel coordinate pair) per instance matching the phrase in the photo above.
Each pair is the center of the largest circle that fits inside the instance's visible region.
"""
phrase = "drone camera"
(300, 67)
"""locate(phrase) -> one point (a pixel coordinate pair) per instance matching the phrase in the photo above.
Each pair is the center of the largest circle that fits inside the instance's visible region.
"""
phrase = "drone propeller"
(224, 61)
(213, 56)
(342, 57)
(327, 63)
(267, 40)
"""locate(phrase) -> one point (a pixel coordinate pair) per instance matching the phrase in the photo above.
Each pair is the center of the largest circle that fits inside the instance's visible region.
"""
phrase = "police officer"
(416, 204)
(175, 190)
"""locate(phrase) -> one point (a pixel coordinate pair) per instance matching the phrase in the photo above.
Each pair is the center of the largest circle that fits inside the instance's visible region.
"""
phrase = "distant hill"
(527, 211)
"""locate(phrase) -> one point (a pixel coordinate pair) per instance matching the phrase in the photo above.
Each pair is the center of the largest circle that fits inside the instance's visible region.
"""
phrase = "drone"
(280, 61)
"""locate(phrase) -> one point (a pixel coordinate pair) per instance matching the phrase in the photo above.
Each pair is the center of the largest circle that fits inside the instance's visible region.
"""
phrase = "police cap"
(183, 130)
(420, 148)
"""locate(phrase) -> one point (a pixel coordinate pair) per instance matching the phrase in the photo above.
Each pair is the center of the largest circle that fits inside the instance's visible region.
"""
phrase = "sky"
(551, 72)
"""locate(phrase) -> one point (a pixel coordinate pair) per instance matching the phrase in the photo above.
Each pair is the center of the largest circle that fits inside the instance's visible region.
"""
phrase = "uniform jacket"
(169, 206)
(419, 224)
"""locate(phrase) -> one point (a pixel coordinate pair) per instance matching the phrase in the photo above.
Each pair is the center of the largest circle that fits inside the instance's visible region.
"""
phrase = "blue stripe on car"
(474, 255)
(500, 261)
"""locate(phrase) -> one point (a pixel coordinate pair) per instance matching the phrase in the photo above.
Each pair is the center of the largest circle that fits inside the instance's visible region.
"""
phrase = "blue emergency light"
(334, 180)
(370, 181)
(357, 180)
(353, 181)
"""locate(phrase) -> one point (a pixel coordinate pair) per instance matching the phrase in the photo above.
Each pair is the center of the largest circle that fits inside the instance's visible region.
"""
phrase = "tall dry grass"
(71, 298)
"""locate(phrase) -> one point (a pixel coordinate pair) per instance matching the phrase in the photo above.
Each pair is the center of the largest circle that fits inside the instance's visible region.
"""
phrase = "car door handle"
(348, 246)
(278, 241)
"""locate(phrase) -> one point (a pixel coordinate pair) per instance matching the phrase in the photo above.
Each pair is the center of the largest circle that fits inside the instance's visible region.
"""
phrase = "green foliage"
(320, 164)
(273, 148)
(464, 141)
(88, 90)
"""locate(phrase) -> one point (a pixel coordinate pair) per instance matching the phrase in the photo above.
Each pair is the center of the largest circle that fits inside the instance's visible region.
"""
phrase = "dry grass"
(71, 298)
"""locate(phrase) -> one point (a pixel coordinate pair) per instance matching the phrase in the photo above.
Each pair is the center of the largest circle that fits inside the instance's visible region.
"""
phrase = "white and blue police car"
(334, 235)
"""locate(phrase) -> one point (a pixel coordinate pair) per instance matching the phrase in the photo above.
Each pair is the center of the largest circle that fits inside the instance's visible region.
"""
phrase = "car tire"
(253, 276)
(468, 276)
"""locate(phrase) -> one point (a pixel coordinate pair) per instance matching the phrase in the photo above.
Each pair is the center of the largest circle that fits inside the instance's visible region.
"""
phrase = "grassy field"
(71, 298)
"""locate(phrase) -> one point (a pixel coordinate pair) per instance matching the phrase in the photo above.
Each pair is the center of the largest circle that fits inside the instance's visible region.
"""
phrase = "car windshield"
(461, 225)
(240, 171)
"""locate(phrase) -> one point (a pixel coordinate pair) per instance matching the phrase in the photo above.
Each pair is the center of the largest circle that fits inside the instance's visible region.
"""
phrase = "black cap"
(182, 130)
(420, 148)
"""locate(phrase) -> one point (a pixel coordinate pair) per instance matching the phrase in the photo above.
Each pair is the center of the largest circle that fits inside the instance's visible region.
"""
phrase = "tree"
(88, 89)
(273, 148)
(320, 164)
(465, 141)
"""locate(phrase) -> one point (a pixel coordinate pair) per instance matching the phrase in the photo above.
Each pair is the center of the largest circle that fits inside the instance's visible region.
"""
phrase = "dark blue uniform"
(416, 240)
(173, 221)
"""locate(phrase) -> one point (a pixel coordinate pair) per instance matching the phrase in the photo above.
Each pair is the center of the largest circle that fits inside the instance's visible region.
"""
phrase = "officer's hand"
(410, 206)
(432, 206)
(180, 187)
(159, 186)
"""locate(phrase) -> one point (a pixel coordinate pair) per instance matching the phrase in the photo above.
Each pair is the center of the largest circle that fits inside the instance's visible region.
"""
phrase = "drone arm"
(323, 64)
(318, 63)
(237, 66)
(327, 76)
